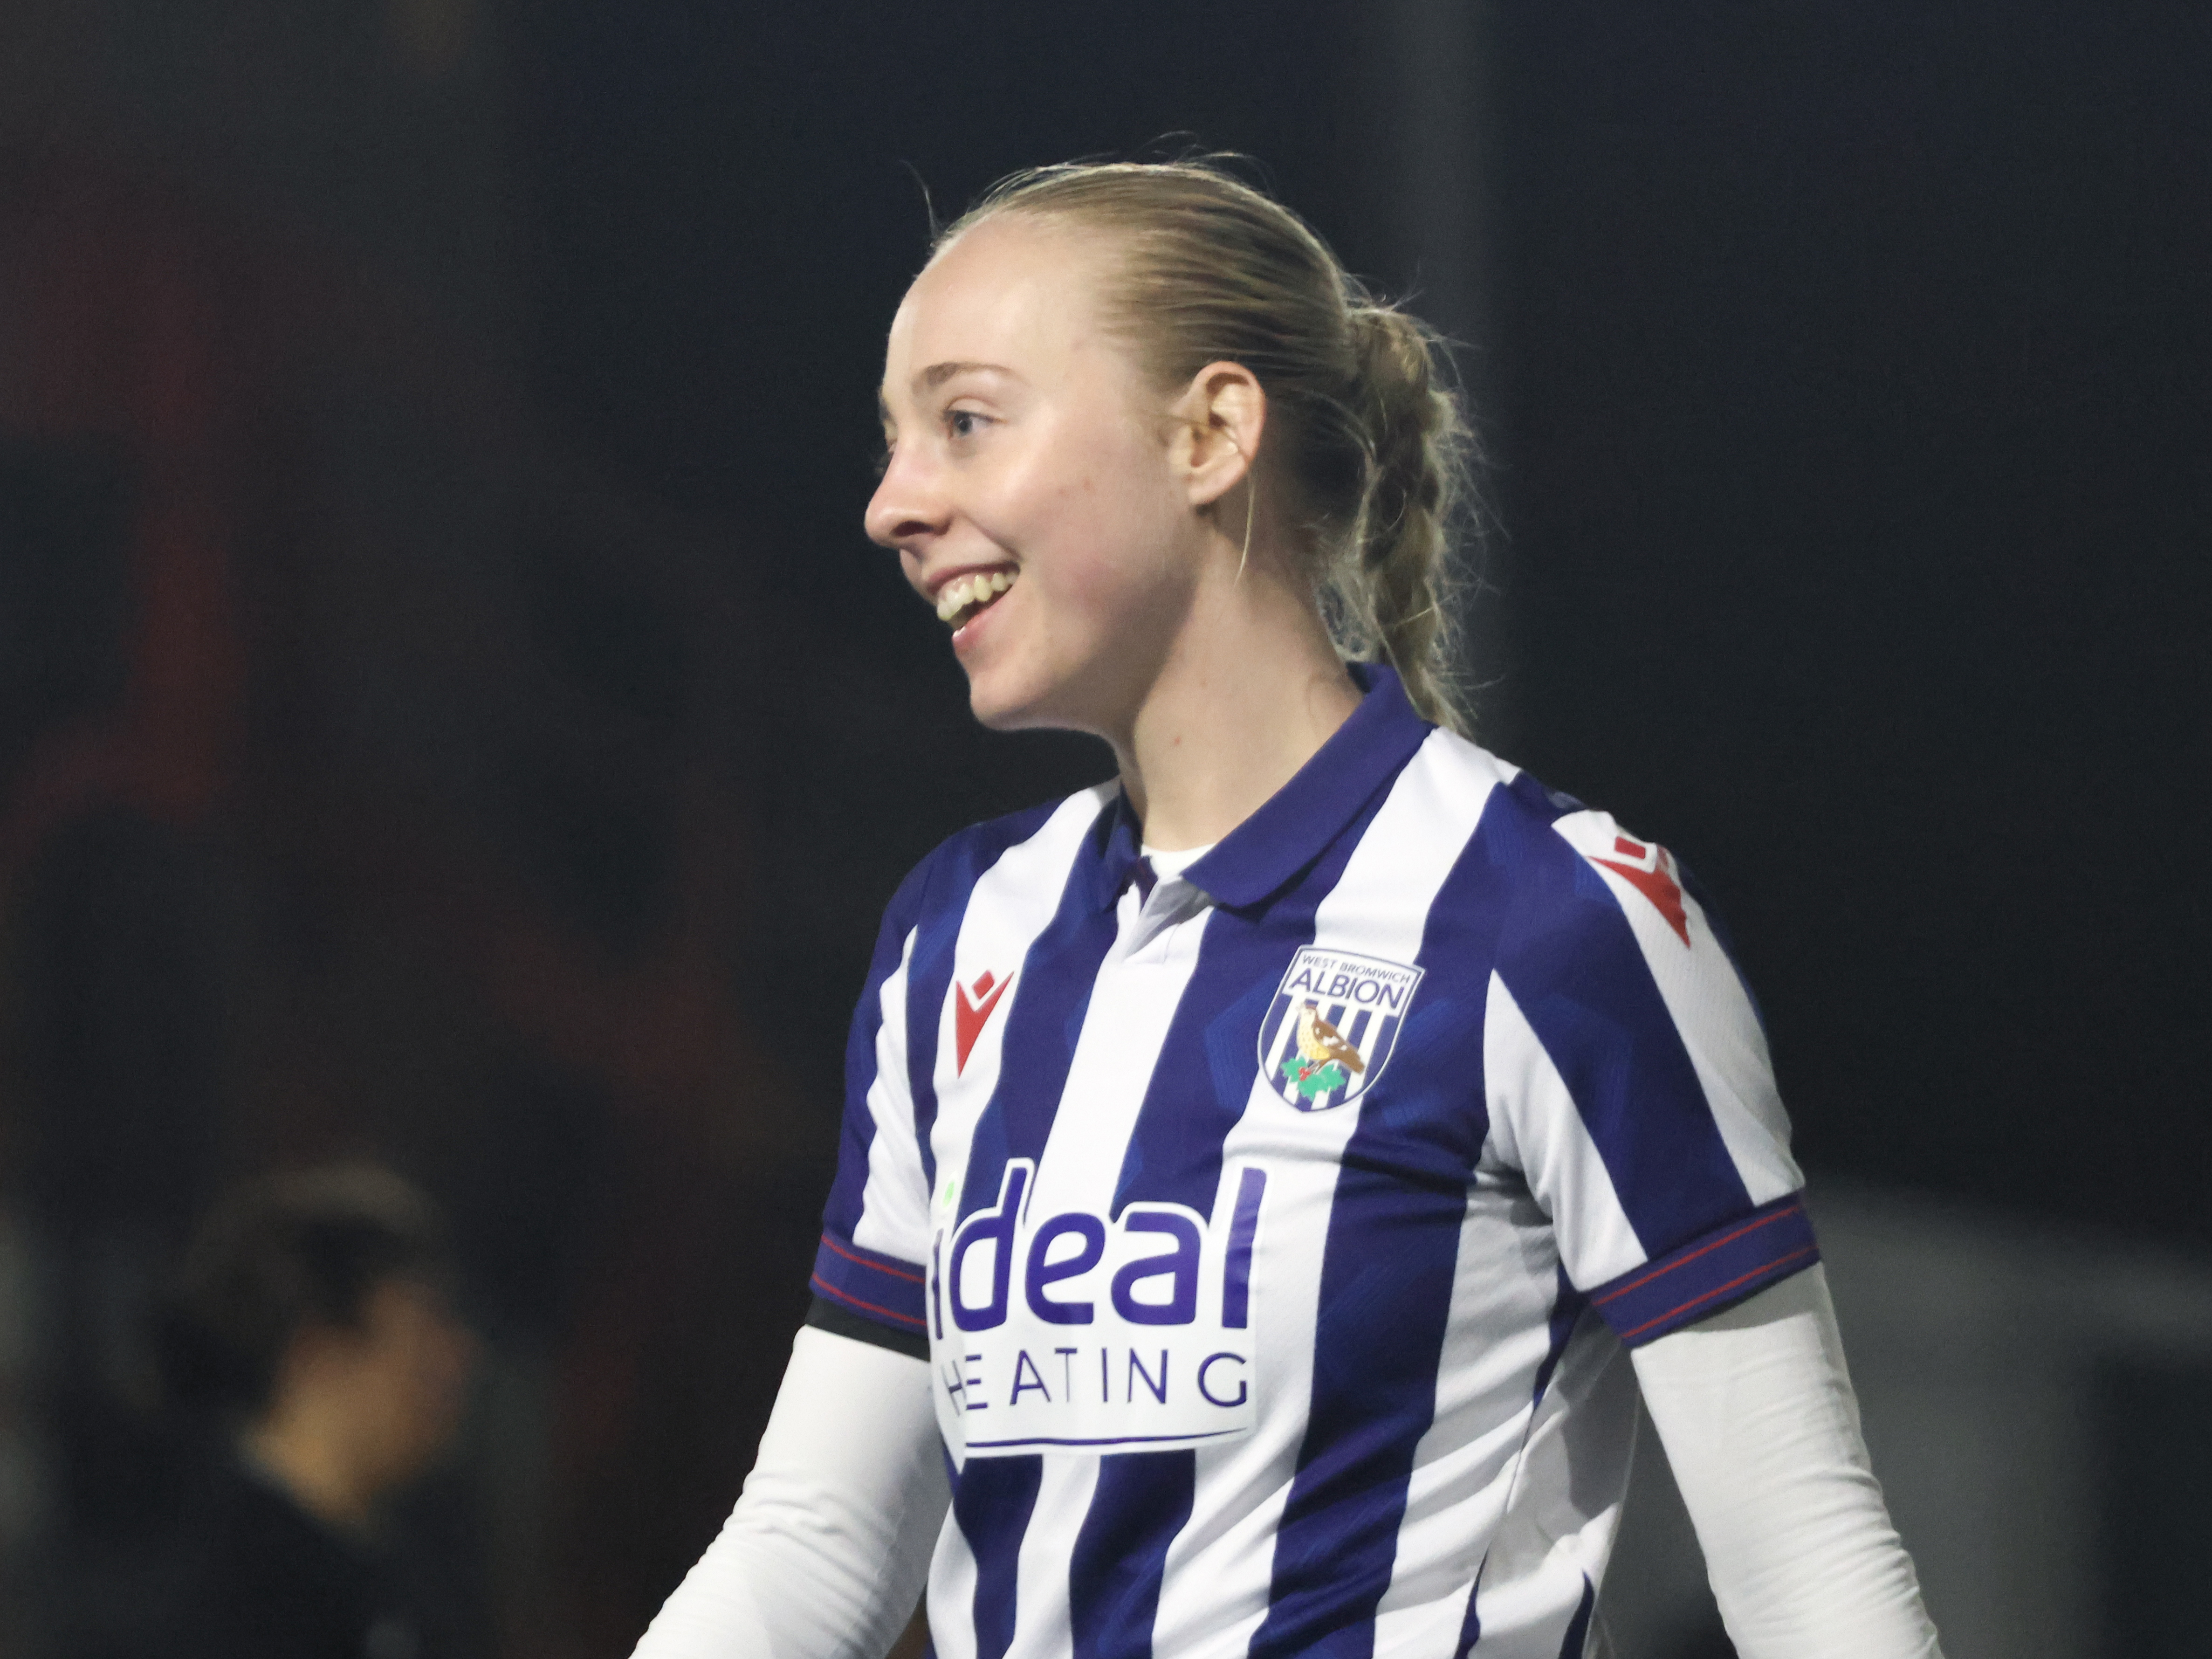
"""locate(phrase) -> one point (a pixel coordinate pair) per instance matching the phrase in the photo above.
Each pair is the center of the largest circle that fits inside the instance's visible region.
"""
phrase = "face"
(1028, 488)
(412, 1360)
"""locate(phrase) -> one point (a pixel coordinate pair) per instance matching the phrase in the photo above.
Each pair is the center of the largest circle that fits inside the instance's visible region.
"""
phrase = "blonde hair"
(1374, 442)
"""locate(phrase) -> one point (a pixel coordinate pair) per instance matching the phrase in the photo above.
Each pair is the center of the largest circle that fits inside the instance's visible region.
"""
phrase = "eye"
(963, 424)
(882, 464)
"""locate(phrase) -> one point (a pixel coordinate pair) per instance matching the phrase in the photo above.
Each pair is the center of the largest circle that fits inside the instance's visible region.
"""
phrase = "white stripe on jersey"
(1041, 1605)
(1464, 1471)
(1548, 1545)
(1138, 991)
(1014, 902)
(895, 1207)
(1217, 1588)
(952, 1595)
(1535, 1130)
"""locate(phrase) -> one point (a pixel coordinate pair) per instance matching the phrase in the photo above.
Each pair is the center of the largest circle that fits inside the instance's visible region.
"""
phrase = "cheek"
(1118, 528)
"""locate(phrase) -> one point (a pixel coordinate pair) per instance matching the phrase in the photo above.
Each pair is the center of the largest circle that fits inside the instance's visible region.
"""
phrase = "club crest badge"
(1330, 1030)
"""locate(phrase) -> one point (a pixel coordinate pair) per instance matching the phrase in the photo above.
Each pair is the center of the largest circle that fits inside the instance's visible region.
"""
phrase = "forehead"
(1017, 294)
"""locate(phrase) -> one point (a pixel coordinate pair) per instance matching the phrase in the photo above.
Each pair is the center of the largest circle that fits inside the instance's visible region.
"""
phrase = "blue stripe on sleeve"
(1719, 929)
(1706, 1275)
(842, 1215)
(1114, 1577)
(1573, 962)
(874, 1285)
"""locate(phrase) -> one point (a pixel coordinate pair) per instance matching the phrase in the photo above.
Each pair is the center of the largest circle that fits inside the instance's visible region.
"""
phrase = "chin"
(1001, 704)
(996, 713)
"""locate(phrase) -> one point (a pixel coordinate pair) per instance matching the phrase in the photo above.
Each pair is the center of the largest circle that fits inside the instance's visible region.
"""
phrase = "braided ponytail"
(1393, 587)
(1373, 445)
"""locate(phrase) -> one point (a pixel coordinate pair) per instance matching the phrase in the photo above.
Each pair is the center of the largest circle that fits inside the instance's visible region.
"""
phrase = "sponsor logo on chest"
(1082, 1331)
(1330, 1030)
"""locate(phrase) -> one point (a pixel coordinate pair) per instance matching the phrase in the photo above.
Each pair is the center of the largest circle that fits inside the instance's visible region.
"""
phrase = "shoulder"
(264, 1576)
(1577, 877)
(946, 878)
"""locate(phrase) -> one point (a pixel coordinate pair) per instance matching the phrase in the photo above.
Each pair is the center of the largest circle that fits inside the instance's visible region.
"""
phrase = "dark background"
(448, 710)
(1848, 403)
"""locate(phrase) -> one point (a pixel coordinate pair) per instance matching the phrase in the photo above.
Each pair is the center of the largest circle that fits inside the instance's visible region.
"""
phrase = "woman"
(1268, 1177)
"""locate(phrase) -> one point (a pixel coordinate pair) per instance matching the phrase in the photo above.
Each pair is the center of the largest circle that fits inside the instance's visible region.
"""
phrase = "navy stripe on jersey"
(1261, 855)
(992, 1499)
(1174, 1153)
(1385, 1294)
(961, 863)
(954, 866)
(1121, 1553)
(1566, 1308)
(1700, 1277)
(1387, 1281)
(1047, 1018)
(1470, 1624)
(868, 1282)
(1578, 1628)
(842, 1215)
(1570, 960)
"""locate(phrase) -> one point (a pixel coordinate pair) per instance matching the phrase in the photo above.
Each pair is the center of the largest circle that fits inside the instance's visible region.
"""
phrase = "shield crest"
(1329, 1031)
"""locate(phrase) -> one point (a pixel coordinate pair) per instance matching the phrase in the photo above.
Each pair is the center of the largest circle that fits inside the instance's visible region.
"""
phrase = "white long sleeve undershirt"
(825, 1555)
(1756, 1411)
(827, 1550)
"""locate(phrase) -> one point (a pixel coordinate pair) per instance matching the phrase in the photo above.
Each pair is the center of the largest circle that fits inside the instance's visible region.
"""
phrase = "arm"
(1756, 1412)
(826, 1552)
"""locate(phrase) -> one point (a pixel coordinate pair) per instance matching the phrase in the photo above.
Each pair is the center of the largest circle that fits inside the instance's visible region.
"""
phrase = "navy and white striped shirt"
(1276, 1230)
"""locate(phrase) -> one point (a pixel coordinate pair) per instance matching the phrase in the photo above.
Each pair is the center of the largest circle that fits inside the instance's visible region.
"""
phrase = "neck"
(1250, 688)
(307, 1452)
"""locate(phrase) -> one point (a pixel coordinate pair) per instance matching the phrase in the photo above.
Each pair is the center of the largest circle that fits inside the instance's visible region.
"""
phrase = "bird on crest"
(1321, 1043)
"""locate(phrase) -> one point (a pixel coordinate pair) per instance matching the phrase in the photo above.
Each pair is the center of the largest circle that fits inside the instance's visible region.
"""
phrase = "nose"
(907, 505)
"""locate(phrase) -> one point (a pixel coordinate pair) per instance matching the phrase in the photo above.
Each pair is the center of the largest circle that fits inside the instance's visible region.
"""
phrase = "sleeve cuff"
(1713, 1271)
(823, 1315)
(874, 1286)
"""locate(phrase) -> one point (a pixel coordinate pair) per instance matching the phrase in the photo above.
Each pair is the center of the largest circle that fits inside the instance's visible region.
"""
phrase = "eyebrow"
(937, 373)
(935, 376)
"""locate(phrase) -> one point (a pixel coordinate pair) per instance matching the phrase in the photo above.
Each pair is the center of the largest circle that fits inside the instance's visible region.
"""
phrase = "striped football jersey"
(1274, 1231)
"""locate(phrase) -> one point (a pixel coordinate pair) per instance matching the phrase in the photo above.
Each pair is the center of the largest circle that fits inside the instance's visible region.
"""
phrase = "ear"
(1221, 415)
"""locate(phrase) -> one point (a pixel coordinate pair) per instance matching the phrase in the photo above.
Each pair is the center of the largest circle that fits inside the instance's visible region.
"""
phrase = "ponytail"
(1395, 585)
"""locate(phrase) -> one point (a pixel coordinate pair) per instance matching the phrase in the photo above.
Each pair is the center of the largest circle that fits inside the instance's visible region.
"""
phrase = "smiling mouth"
(964, 598)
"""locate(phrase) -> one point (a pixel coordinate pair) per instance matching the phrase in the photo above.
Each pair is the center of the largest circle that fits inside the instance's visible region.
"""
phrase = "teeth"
(961, 591)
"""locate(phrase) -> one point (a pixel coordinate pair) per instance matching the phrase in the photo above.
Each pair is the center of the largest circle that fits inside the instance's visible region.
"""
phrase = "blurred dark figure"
(315, 1325)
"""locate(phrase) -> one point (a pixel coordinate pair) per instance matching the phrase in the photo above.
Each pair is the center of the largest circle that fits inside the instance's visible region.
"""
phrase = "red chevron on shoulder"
(1651, 875)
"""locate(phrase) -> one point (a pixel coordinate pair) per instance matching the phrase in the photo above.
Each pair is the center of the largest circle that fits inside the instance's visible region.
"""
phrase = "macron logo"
(970, 1016)
(1650, 877)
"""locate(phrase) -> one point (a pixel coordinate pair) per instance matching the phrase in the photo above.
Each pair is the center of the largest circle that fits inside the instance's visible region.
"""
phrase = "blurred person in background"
(314, 1320)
